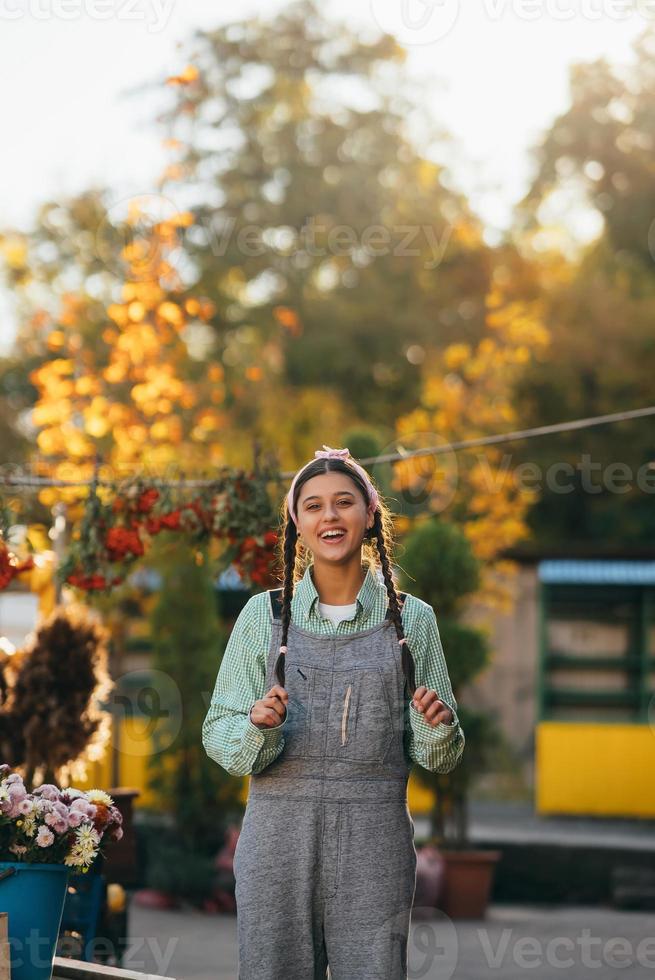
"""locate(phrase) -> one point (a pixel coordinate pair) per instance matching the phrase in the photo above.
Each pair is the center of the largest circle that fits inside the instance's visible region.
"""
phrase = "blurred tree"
(594, 169)
(120, 381)
(322, 314)
(467, 392)
(597, 157)
(334, 249)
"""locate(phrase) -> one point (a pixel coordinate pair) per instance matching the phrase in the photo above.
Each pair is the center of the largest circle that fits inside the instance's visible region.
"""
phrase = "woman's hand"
(431, 707)
(271, 709)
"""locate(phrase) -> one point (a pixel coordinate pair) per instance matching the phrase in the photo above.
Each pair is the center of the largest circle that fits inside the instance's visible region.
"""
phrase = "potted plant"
(439, 566)
(43, 835)
(54, 691)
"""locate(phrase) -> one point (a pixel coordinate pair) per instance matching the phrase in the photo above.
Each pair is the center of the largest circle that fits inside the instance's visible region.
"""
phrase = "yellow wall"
(134, 751)
(602, 770)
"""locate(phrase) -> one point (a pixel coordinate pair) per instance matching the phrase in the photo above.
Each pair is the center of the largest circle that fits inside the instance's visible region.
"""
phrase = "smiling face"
(332, 516)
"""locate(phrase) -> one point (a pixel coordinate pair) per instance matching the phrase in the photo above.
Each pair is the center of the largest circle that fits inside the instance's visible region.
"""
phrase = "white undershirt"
(337, 613)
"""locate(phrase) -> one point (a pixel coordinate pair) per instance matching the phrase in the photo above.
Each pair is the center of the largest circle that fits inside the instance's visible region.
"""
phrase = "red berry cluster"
(255, 556)
(235, 509)
(10, 567)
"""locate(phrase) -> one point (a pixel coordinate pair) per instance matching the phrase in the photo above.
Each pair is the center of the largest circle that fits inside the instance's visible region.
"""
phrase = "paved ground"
(529, 942)
(512, 943)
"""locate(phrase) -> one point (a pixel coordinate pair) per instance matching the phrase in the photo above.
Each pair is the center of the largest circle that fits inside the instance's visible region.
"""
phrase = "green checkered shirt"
(232, 740)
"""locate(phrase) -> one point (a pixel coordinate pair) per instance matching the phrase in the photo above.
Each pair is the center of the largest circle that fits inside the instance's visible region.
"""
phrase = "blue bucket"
(33, 898)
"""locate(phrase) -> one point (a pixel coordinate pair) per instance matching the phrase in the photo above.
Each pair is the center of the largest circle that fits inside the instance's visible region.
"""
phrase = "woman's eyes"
(311, 506)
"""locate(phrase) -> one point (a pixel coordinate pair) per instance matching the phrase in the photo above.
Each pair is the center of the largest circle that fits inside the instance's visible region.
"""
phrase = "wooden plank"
(69, 969)
(5, 950)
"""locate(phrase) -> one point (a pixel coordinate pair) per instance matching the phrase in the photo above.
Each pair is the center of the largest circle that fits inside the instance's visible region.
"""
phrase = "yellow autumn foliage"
(466, 393)
(129, 400)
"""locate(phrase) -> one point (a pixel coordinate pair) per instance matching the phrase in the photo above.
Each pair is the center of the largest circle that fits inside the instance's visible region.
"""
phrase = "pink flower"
(47, 791)
(16, 791)
(83, 806)
(58, 818)
(44, 837)
(17, 796)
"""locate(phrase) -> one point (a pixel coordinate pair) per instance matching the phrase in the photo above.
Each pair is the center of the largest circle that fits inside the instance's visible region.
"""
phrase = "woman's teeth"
(333, 537)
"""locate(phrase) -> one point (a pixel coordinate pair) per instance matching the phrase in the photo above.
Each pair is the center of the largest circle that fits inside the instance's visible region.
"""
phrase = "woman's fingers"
(271, 709)
(274, 702)
(273, 716)
(265, 714)
(431, 706)
(422, 698)
(437, 712)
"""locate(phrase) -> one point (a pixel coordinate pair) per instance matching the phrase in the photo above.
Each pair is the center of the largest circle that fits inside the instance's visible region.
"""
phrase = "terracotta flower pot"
(430, 874)
(467, 883)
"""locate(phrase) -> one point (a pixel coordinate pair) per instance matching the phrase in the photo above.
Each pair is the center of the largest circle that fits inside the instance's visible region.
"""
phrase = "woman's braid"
(407, 659)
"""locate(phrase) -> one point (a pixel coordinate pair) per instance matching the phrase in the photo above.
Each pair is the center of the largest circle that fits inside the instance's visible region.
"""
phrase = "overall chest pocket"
(299, 682)
(360, 724)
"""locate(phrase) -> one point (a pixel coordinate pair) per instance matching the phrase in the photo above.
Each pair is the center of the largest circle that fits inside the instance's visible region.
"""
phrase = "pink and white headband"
(328, 453)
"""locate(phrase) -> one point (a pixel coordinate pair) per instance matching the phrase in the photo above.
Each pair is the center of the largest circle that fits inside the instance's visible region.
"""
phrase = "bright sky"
(494, 74)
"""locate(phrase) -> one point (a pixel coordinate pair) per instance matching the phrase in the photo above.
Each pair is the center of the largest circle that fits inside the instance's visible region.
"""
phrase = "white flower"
(74, 860)
(29, 826)
(99, 796)
(86, 843)
(86, 834)
(45, 837)
(17, 848)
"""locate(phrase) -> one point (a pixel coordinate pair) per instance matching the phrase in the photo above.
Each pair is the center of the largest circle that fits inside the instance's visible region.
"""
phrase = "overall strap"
(275, 596)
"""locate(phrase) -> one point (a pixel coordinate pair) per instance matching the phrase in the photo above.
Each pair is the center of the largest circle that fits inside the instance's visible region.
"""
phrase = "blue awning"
(596, 572)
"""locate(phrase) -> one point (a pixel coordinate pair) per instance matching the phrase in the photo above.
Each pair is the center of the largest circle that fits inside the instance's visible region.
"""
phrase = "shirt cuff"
(258, 737)
(426, 732)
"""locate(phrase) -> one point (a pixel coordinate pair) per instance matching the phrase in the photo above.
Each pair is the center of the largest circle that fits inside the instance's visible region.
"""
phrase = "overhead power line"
(21, 481)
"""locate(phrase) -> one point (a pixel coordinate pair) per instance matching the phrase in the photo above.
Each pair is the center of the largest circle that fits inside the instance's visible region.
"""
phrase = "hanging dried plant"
(52, 721)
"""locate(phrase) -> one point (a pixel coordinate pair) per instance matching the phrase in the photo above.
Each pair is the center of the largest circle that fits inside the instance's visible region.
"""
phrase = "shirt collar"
(308, 596)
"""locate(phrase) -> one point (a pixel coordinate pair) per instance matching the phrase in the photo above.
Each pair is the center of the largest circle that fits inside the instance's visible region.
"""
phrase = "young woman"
(317, 699)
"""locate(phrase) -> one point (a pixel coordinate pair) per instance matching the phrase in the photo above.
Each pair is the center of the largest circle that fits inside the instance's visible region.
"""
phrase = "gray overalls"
(325, 864)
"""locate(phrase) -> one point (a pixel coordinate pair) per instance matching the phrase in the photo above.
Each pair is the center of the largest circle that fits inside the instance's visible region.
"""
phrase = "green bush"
(439, 566)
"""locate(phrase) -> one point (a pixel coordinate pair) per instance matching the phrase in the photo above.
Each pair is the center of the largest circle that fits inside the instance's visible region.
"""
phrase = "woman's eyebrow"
(337, 493)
